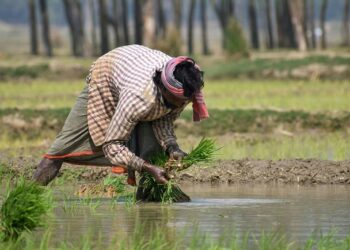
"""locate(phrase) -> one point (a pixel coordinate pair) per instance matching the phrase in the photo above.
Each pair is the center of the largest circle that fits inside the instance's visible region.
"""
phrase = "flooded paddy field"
(291, 210)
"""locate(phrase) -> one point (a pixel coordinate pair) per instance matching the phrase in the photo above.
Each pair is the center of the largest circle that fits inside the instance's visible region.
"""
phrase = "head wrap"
(175, 87)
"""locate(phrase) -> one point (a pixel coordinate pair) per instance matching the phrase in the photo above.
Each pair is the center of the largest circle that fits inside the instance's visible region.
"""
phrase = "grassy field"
(254, 119)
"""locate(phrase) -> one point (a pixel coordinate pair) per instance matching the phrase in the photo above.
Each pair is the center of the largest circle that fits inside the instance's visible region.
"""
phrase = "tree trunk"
(177, 6)
(125, 18)
(74, 18)
(306, 22)
(203, 11)
(33, 28)
(346, 23)
(312, 24)
(92, 14)
(323, 14)
(114, 19)
(224, 10)
(138, 21)
(269, 24)
(190, 26)
(286, 36)
(103, 27)
(149, 23)
(161, 20)
(45, 27)
(254, 33)
(297, 12)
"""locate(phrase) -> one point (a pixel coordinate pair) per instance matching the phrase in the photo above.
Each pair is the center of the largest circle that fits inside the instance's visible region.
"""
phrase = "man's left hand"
(175, 153)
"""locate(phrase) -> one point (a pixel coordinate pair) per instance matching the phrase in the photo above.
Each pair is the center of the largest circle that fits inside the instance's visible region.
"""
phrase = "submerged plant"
(24, 209)
(150, 190)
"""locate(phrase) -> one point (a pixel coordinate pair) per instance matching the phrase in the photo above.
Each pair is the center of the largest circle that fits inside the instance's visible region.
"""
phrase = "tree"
(74, 17)
(297, 13)
(92, 14)
(270, 42)
(103, 26)
(149, 23)
(125, 21)
(323, 17)
(177, 6)
(138, 21)
(254, 33)
(203, 11)
(190, 26)
(114, 20)
(285, 32)
(346, 23)
(161, 20)
(225, 11)
(312, 23)
(33, 28)
(45, 27)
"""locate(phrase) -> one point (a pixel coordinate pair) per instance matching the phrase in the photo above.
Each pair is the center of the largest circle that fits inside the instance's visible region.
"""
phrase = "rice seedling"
(24, 209)
(116, 182)
(150, 190)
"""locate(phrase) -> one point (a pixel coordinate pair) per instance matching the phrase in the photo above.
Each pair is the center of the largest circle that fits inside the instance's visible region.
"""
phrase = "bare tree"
(177, 6)
(74, 17)
(306, 22)
(323, 17)
(225, 10)
(297, 13)
(203, 11)
(92, 15)
(149, 23)
(312, 23)
(269, 24)
(125, 21)
(104, 43)
(346, 23)
(114, 20)
(285, 32)
(33, 28)
(161, 25)
(138, 21)
(45, 27)
(190, 26)
(254, 33)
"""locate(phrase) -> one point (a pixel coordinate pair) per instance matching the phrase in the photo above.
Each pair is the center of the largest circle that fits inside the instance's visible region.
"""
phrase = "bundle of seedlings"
(150, 190)
(24, 209)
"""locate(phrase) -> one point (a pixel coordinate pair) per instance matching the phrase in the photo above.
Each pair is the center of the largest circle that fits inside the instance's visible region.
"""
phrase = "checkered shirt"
(121, 94)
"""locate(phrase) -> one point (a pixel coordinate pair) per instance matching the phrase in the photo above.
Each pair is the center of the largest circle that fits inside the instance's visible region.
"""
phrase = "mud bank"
(301, 171)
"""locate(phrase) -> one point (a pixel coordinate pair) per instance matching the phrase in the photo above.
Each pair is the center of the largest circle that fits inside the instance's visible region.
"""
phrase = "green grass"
(325, 146)
(254, 68)
(309, 96)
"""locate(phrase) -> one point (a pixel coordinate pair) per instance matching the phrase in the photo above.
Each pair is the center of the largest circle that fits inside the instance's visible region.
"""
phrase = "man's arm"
(164, 131)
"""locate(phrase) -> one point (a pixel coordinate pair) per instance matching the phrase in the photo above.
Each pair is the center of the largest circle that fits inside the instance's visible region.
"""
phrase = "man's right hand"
(159, 174)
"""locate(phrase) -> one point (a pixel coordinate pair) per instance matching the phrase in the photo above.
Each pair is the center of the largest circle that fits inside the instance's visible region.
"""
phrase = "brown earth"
(300, 171)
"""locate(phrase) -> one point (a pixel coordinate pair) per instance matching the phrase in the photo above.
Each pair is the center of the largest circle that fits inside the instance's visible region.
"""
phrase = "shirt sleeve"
(131, 108)
(163, 128)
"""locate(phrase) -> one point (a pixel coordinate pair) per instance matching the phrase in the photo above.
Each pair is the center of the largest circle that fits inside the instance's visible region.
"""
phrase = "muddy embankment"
(294, 171)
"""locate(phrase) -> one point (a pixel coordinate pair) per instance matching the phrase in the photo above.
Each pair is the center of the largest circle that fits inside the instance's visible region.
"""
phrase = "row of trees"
(146, 22)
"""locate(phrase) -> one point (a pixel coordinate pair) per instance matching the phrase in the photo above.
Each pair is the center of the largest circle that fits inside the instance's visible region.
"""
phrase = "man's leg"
(47, 170)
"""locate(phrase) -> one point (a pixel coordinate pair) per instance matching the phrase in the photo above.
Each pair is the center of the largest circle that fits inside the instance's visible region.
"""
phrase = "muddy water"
(296, 211)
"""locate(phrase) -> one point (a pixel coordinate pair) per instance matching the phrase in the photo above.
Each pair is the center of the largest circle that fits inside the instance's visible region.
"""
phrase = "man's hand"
(159, 174)
(175, 153)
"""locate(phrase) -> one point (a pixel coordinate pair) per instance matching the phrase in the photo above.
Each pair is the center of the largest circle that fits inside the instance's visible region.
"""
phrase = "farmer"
(125, 113)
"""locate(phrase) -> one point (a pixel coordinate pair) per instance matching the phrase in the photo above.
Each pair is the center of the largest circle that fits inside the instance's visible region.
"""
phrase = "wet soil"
(301, 171)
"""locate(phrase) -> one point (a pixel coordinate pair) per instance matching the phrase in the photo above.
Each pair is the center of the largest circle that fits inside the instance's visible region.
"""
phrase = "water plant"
(150, 190)
(24, 209)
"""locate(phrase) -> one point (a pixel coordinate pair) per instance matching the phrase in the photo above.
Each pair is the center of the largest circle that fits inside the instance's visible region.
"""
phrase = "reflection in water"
(295, 211)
